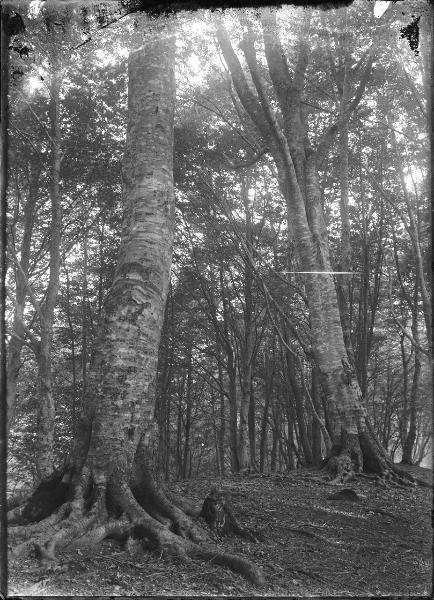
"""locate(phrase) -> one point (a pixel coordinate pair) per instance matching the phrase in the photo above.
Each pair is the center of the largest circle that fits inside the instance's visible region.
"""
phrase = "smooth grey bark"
(350, 431)
(120, 393)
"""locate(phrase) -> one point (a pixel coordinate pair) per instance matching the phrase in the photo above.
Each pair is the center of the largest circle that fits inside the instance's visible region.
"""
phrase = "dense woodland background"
(234, 364)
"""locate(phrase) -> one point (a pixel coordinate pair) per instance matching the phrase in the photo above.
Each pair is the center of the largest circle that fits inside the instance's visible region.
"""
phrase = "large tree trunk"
(113, 491)
(354, 446)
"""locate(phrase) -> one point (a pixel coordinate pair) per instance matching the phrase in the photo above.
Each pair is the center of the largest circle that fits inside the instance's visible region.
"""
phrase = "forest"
(218, 299)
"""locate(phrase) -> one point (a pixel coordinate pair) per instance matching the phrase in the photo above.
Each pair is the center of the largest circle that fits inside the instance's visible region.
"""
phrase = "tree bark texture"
(126, 356)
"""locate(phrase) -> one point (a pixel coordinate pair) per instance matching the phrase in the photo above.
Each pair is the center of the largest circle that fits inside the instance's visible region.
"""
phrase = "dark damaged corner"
(161, 7)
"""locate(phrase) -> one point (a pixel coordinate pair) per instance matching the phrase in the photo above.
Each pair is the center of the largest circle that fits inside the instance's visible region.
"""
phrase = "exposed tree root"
(124, 512)
(361, 455)
(342, 470)
(35, 533)
(187, 506)
(232, 561)
(39, 527)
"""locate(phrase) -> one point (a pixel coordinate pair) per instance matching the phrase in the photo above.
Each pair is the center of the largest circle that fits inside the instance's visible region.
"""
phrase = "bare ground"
(307, 545)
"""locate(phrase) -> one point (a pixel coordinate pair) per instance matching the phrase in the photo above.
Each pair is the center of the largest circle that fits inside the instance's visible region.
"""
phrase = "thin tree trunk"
(162, 407)
(101, 240)
(233, 413)
(252, 428)
(84, 321)
(363, 328)
(269, 372)
(18, 334)
(73, 358)
(215, 431)
(168, 441)
(187, 429)
(232, 376)
(414, 237)
(297, 394)
(403, 424)
(243, 429)
(263, 438)
(408, 448)
(274, 448)
(44, 455)
(179, 432)
(222, 428)
(246, 425)
(316, 429)
(291, 461)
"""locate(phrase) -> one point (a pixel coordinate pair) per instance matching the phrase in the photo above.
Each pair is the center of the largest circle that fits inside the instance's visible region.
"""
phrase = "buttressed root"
(94, 512)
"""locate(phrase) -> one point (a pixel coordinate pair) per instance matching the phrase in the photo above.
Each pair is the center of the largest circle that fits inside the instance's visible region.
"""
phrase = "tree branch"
(26, 282)
(328, 137)
(248, 99)
(410, 337)
(34, 342)
(247, 163)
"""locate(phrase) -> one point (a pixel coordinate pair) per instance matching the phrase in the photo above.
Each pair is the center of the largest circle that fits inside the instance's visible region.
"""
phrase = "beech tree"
(110, 464)
(286, 136)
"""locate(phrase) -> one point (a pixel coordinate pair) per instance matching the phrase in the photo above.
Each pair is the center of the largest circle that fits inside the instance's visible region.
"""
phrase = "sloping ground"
(309, 546)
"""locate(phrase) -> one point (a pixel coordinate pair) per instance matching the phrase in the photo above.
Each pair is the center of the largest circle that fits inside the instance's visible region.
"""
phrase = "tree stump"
(218, 513)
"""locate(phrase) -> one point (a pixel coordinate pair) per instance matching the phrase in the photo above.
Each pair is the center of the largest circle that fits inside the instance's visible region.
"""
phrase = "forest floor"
(310, 546)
